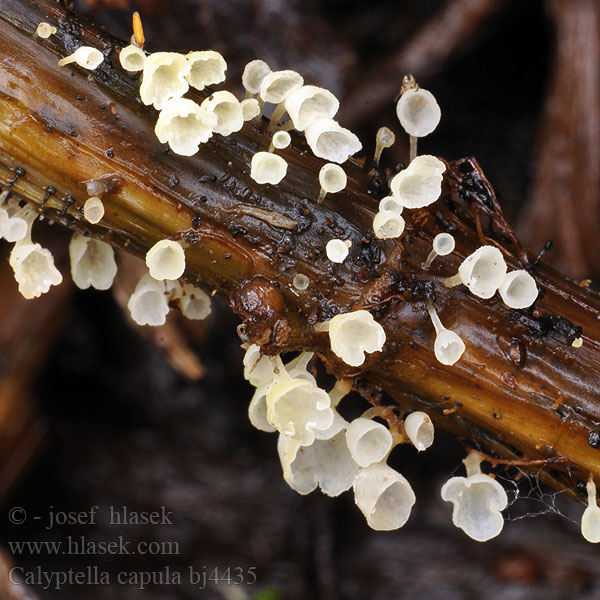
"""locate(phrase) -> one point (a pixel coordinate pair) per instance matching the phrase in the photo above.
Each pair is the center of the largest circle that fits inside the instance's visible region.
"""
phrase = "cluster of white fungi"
(317, 446)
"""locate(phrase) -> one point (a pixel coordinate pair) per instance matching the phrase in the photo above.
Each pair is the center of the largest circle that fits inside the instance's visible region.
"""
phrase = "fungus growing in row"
(483, 272)
(478, 500)
(388, 224)
(333, 179)
(280, 140)
(93, 210)
(590, 521)
(307, 104)
(166, 260)
(419, 114)
(92, 263)
(389, 203)
(45, 30)
(300, 282)
(132, 58)
(164, 77)
(337, 250)
(250, 108)
(420, 184)
(149, 303)
(87, 57)
(328, 140)
(384, 497)
(228, 110)
(443, 244)
(252, 77)
(352, 334)
(267, 167)
(184, 125)
(194, 303)
(207, 68)
(369, 442)
(385, 138)
(276, 86)
(448, 346)
(419, 429)
(518, 290)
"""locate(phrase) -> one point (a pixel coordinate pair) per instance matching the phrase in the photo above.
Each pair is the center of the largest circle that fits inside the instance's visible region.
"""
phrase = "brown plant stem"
(521, 391)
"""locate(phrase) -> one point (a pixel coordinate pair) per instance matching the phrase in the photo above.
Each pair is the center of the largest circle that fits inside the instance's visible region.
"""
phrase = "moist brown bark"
(520, 390)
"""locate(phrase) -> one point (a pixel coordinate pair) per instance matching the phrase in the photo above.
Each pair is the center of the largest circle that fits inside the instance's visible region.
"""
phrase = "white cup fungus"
(85, 56)
(45, 30)
(207, 68)
(132, 58)
(308, 103)
(92, 262)
(443, 244)
(518, 290)
(93, 210)
(337, 250)
(267, 167)
(194, 303)
(149, 303)
(448, 346)
(385, 138)
(228, 110)
(250, 108)
(590, 521)
(276, 86)
(391, 204)
(164, 77)
(418, 112)
(420, 184)
(388, 224)
(332, 179)
(166, 260)
(369, 442)
(419, 429)
(280, 140)
(254, 73)
(328, 140)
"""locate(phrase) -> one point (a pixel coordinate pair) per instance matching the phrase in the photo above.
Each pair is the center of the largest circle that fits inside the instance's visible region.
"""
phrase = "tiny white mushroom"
(300, 282)
(34, 268)
(254, 73)
(328, 140)
(45, 30)
(477, 500)
(389, 203)
(164, 77)
(228, 110)
(92, 263)
(337, 250)
(420, 184)
(333, 179)
(207, 68)
(385, 138)
(250, 108)
(448, 346)
(419, 429)
(194, 303)
(93, 210)
(384, 497)
(132, 58)
(166, 260)
(443, 244)
(369, 442)
(388, 224)
(577, 342)
(85, 56)
(281, 140)
(309, 103)
(259, 369)
(483, 272)
(257, 411)
(518, 290)
(149, 303)
(267, 167)
(590, 521)
(276, 86)
(184, 125)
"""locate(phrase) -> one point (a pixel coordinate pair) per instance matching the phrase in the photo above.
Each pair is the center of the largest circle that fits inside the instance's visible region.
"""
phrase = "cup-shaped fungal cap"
(166, 260)
(281, 140)
(259, 369)
(328, 140)
(577, 342)
(257, 411)
(385, 137)
(354, 333)
(87, 57)
(388, 224)
(267, 167)
(483, 272)
(332, 178)
(518, 290)
(420, 184)
(369, 442)
(391, 204)
(194, 303)
(254, 73)
(164, 77)
(297, 407)
(228, 110)
(419, 429)
(309, 103)
(418, 112)
(93, 210)
(279, 85)
(326, 463)
(384, 497)
(184, 125)
(34, 269)
(448, 347)
(478, 501)
(92, 263)
(443, 244)
(297, 368)
(300, 282)
(132, 58)
(14, 229)
(149, 303)
(337, 251)
(207, 68)
(250, 108)
(590, 521)
(45, 30)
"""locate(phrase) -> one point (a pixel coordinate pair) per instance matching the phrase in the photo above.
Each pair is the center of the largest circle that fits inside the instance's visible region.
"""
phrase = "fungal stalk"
(443, 244)
(448, 346)
(85, 56)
